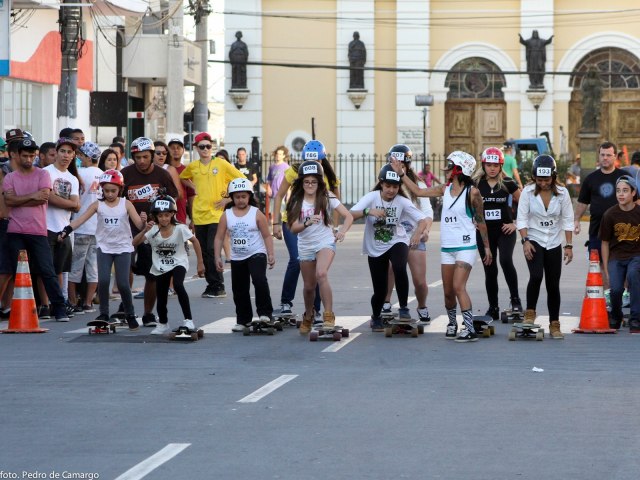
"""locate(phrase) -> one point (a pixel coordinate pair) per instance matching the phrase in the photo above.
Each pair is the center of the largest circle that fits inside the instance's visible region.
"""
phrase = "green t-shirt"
(509, 164)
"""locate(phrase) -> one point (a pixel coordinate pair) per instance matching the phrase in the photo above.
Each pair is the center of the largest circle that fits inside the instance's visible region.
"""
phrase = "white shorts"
(308, 253)
(466, 256)
(84, 259)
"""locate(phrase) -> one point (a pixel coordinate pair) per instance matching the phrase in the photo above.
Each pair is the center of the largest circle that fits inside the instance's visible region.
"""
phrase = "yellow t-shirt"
(290, 175)
(211, 186)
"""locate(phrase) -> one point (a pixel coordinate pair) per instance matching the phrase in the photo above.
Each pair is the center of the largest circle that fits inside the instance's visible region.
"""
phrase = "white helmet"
(239, 185)
(463, 160)
(142, 144)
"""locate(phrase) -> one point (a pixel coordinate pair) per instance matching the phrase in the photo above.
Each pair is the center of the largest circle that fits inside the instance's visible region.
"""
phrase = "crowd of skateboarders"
(91, 219)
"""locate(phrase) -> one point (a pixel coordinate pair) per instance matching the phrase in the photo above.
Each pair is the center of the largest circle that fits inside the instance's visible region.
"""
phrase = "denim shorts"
(308, 254)
(422, 247)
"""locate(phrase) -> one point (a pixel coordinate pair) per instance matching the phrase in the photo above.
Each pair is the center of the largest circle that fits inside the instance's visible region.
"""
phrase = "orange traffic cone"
(24, 317)
(594, 317)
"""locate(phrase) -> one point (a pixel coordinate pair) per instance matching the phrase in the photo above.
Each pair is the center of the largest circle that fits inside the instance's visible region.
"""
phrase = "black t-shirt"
(248, 170)
(599, 191)
(622, 230)
(496, 201)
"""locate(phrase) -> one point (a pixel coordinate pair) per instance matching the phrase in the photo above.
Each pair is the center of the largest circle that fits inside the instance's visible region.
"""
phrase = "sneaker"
(88, 309)
(132, 321)
(139, 295)
(386, 308)
(4, 314)
(161, 329)
(219, 294)
(554, 330)
(466, 336)
(634, 326)
(238, 327)
(44, 313)
(69, 310)
(171, 292)
(317, 319)
(208, 293)
(516, 304)
(376, 324)
(78, 310)
(626, 299)
(529, 316)
(615, 324)
(452, 330)
(149, 320)
(189, 324)
(423, 315)
(285, 309)
(103, 317)
(493, 312)
(307, 323)
(403, 314)
(61, 314)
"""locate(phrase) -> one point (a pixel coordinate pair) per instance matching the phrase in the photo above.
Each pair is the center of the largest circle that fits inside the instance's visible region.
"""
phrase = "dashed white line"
(334, 347)
(145, 467)
(267, 389)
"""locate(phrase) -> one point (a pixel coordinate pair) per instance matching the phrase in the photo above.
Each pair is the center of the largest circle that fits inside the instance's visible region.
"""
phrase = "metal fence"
(357, 173)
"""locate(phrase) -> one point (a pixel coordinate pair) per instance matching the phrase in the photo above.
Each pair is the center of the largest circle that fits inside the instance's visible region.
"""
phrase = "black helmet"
(400, 152)
(389, 175)
(544, 166)
(310, 167)
(164, 203)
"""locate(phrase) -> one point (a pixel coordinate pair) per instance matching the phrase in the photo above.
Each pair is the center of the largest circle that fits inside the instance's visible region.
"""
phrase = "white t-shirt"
(168, 253)
(546, 227)
(65, 185)
(246, 239)
(423, 204)
(316, 233)
(381, 234)
(92, 192)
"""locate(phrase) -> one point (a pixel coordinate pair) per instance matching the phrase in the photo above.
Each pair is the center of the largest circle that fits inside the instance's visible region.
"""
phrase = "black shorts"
(61, 252)
(6, 262)
(142, 260)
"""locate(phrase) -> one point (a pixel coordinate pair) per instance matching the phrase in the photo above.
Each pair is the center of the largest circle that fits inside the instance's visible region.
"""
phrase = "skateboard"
(97, 327)
(184, 333)
(511, 316)
(335, 333)
(482, 324)
(262, 326)
(288, 319)
(406, 326)
(527, 330)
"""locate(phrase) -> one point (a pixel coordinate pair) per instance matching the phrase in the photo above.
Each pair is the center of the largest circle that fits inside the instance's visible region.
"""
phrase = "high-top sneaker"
(554, 330)
(493, 312)
(529, 316)
(307, 323)
(329, 319)
(452, 327)
(516, 304)
(423, 315)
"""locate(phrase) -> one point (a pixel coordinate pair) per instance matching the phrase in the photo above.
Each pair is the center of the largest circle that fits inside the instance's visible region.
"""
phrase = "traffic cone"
(594, 317)
(24, 316)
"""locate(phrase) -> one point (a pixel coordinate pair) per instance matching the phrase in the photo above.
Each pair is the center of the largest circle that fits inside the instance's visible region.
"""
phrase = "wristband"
(525, 239)
(366, 212)
(569, 246)
(67, 230)
(401, 175)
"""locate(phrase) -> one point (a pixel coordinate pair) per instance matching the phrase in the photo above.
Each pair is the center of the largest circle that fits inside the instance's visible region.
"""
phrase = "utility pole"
(200, 9)
(70, 20)
(175, 70)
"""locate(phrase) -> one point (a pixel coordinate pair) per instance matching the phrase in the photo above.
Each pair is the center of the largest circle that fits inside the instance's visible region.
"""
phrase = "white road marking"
(220, 326)
(335, 346)
(267, 389)
(145, 467)
(567, 323)
(436, 283)
(409, 300)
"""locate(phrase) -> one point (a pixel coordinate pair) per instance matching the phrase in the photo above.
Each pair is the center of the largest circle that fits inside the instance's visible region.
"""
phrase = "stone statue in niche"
(591, 100)
(357, 59)
(238, 56)
(536, 50)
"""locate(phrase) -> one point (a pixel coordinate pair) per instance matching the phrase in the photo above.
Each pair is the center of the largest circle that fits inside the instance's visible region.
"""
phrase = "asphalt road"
(130, 406)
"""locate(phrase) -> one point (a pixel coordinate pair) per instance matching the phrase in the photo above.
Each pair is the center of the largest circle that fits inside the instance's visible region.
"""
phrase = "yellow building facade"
(467, 54)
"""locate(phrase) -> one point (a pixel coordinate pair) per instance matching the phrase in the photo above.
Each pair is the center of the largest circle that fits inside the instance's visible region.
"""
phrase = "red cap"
(202, 136)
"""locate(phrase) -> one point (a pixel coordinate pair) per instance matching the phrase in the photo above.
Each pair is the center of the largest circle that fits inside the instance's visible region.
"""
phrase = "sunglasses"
(205, 147)
(160, 153)
(310, 182)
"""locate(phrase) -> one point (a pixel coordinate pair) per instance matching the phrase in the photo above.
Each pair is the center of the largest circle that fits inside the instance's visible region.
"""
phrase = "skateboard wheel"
(313, 336)
(486, 332)
(279, 327)
(414, 332)
(512, 335)
(200, 333)
(270, 331)
(388, 332)
(298, 323)
(504, 318)
(172, 335)
(345, 333)
(337, 336)
(194, 336)
(246, 331)
(540, 335)
(492, 329)
(421, 329)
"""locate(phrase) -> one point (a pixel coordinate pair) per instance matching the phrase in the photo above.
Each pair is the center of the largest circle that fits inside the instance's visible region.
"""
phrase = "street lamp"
(424, 101)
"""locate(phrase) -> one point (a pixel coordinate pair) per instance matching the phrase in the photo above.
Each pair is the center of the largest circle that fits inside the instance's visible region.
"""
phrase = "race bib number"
(167, 262)
(239, 245)
(392, 221)
(451, 220)
(493, 214)
(546, 223)
(397, 155)
(162, 205)
(543, 172)
(311, 156)
(111, 222)
(310, 169)
(144, 192)
(492, 158)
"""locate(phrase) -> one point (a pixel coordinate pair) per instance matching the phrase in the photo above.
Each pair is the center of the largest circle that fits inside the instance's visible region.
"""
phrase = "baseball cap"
(14, 134)
(27, 144)
(65, 141)
(202, 136)
(508, 144)
(629, 181)
(175, 140)
(91, 150)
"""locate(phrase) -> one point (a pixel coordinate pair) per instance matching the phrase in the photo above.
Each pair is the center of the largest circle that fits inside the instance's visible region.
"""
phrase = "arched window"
(475, 77)
(619, 68)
